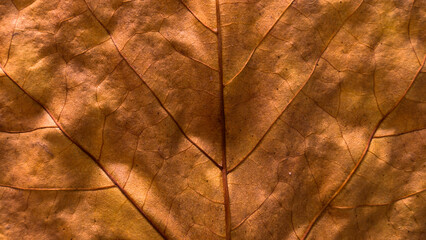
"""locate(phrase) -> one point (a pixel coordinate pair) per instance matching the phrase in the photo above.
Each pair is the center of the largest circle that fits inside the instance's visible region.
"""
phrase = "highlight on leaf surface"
(213, 119)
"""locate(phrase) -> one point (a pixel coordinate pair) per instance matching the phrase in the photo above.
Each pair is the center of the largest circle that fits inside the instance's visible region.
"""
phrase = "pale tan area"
(100, 214)
(218, 119)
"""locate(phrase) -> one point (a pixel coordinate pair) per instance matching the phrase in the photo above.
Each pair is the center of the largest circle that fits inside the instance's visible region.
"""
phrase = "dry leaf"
(202, 119)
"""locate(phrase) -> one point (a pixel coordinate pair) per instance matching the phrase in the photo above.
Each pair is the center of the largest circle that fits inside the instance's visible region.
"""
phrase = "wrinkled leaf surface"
(204, 119)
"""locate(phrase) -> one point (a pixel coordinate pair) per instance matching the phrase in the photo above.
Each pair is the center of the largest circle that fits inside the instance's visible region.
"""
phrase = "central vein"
(223, 122)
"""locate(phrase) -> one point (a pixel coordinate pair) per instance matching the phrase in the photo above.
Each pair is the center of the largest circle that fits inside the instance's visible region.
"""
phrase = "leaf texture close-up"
(212, 119)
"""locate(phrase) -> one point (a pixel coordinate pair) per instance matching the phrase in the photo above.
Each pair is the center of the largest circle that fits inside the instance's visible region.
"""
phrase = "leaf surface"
(190, 119)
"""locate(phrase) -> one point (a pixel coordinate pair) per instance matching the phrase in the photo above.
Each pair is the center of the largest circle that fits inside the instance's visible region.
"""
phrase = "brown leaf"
(190, 119)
